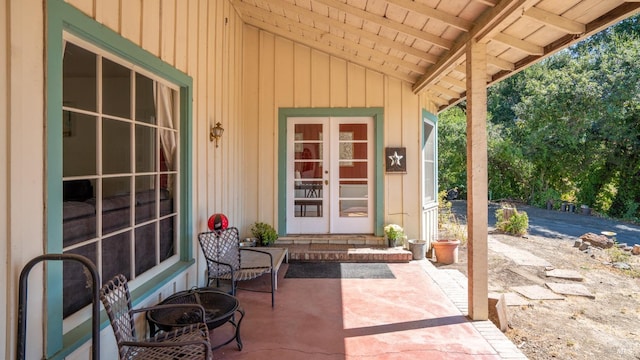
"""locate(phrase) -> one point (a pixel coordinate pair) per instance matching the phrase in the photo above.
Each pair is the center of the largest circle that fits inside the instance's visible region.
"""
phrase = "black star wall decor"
(395, 159)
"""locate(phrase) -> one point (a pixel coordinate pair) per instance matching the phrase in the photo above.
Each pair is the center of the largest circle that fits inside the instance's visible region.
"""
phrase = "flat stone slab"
(519, 256)
(536, 292)
(571, 289)
(511, 299)
(565, 274)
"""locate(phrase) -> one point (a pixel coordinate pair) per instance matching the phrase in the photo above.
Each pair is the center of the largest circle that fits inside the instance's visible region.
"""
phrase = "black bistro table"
(220, 308)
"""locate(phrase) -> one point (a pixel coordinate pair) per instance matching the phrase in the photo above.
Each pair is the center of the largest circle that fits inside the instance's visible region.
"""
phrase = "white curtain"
(165, 112)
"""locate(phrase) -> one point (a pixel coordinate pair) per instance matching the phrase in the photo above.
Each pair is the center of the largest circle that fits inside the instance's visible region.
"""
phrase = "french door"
(330, 175)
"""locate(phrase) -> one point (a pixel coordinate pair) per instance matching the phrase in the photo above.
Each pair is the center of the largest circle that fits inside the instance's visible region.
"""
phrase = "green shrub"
(264, 232)
(517, 224)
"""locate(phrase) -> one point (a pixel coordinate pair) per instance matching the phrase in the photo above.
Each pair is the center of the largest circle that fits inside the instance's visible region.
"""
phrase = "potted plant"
(264, 233)
(394, 234)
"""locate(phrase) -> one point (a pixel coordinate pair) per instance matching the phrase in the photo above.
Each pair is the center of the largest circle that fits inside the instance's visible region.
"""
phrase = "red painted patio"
(421, 314)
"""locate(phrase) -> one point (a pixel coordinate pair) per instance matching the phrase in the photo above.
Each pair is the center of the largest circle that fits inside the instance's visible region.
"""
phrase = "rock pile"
(599, 241)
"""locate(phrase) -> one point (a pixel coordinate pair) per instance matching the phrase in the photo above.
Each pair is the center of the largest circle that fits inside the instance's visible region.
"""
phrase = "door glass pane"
(116, 147)
(145, 148)
(308, 162)
(308, 132)
(79, 78)
(358, 131)
(357, 170)
(353, 208)
(116, 89)
(78, 144)
(308, 170)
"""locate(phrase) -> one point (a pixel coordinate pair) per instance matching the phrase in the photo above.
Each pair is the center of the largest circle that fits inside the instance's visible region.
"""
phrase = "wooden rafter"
(555, 21)
(486, 23)
(383, 21)
(331, 50)
(519, 44)
(428, 11)
(347, 27)
(329, 39)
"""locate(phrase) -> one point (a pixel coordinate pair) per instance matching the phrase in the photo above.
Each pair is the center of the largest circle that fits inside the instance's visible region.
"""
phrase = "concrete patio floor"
(421, 314)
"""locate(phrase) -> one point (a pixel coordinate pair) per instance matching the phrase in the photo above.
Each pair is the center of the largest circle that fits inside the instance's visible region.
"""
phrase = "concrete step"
(342, 248)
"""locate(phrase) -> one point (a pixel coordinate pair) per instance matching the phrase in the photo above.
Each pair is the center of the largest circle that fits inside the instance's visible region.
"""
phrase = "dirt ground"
(578, 327)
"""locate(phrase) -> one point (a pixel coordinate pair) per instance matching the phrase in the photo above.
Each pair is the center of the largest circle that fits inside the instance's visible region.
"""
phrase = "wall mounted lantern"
(216, 133)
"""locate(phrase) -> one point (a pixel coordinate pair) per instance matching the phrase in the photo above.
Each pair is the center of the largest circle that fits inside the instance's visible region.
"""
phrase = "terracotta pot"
(446, 251)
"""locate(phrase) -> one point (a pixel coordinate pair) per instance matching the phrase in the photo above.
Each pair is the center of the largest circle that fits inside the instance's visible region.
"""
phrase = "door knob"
(326, 182)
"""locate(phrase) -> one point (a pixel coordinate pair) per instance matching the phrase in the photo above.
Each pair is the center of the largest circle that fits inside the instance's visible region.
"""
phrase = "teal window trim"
(433, 119)
(378, 120)
(62, 17)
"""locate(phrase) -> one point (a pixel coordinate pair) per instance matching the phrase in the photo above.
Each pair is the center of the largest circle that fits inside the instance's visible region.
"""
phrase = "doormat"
(337, 270)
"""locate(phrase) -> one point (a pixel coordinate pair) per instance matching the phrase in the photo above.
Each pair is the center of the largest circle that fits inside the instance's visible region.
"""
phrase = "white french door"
(330, 175)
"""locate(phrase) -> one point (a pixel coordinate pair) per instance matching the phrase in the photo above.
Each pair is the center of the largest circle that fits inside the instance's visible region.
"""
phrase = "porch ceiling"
(423, 41)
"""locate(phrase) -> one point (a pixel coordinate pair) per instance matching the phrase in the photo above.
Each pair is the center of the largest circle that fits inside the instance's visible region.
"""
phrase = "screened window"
(429, 162)
(120, 169)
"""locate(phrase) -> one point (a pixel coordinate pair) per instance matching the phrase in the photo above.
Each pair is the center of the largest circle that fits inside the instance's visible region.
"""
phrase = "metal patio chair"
(223, 254)
(188, 342)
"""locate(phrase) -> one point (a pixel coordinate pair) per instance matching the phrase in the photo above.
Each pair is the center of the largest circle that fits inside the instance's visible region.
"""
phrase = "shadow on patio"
(409, 317)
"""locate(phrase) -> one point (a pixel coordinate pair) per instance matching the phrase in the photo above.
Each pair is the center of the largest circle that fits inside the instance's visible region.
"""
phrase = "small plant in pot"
(264, 233)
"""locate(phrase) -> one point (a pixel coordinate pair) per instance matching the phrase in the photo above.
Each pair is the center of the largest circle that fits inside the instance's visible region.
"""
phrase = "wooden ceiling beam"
(500, 63)
(432, 59)
(328, 37)
(491, 3)
(623, 11)
(555, 21)
(430, 12)
(383, 21)
(485, 24)
(455, 82)
(331, 50)
(522, 45)
(443, 90)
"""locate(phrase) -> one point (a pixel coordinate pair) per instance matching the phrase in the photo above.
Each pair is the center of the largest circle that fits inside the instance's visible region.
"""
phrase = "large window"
(120, 169)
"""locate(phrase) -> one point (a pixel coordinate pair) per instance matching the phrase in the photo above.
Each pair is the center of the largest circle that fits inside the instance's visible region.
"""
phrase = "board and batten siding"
(280, 73)
(21, 165)
(203, 39)
(199, 37)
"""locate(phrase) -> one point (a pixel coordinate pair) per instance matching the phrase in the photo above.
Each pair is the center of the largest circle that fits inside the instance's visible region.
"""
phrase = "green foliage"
(449, 226)
(264, 232)
(618, 255)
(452, 150)
(565, 128)
(516, 224)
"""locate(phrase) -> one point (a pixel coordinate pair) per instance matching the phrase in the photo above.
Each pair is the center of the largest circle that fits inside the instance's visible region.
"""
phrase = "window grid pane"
(120, 162)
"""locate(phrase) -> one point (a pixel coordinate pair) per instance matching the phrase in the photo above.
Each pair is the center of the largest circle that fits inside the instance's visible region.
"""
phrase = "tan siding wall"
(191, 35)
(6, 273)
(21, 172)
(279, 73)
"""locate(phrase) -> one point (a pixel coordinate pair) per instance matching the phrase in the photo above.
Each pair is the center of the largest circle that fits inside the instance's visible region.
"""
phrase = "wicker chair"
(223, 254)
(189, 342)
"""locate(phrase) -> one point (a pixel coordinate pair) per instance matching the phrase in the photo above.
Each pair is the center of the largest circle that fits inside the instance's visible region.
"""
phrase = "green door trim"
(378, 122)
